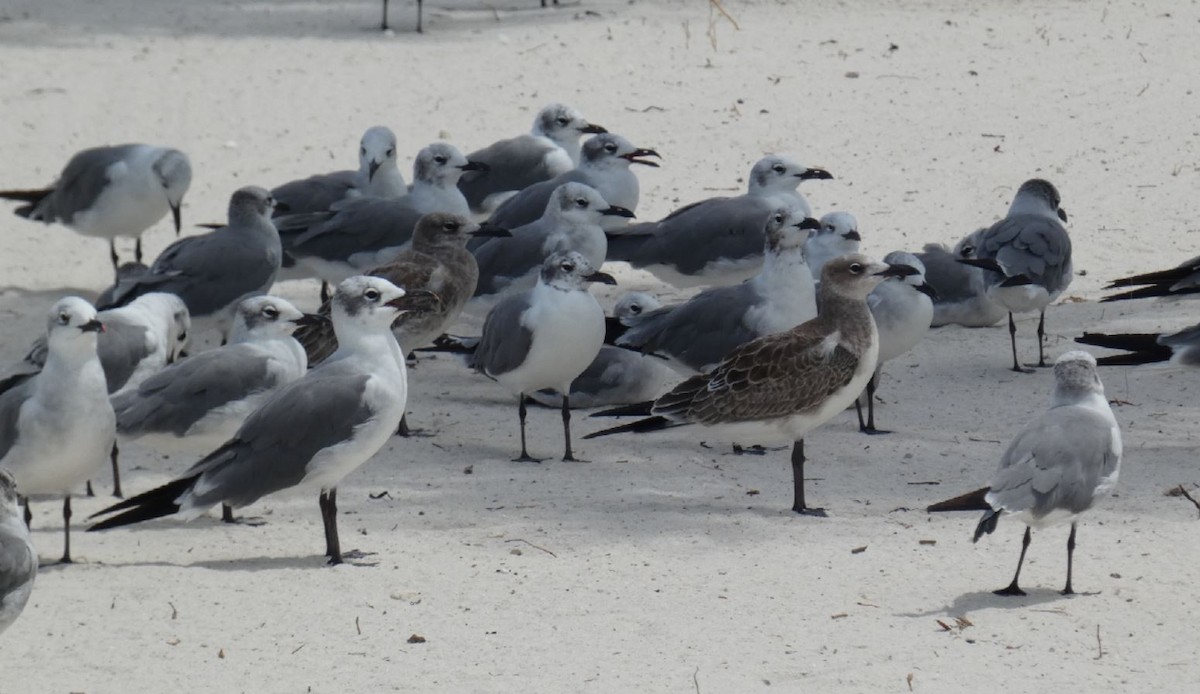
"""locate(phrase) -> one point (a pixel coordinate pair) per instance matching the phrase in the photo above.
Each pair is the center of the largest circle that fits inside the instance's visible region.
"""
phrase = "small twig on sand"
(1099, 644)
(1189, 497)
(696, 679)
(721, 9)
(534, 546)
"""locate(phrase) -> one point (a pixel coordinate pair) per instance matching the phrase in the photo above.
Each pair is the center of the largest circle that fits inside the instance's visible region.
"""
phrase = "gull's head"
(569, 270)
(1075, 371)
(839, 230)
(266, 317)
(775, 174)
(1038, 196)
(443, 230)
(372, 303)
(854, 275)
(376, 149)
(788, 228)
(8, 492)
(579, 203)
(174, 172)
(968, 246)
(609, 150)
(442, 165)
(249, 203)
(916, 280)
(73, 324)
(633, 305)
(563, 124)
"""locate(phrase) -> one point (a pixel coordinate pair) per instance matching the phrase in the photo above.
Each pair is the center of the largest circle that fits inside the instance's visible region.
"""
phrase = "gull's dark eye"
(968, 251)
(450, 226)
(778, 168)
(779, 219)
(635, 309)
(855, 268)
(581, 202)
(391, 152)
(828, 227)
(270, 312)
(440, 159)
(64, 318)
(568, 267)
(610, 147)
(561, 120)
(362, 151)
(371, 294)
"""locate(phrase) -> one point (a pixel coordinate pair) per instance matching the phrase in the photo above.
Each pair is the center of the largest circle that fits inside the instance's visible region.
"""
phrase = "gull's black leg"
(383, 23)
(420, 16)
(112, 254)
(324, 292)
(521, 412)
(1042, 340)
(798, 504)
(869, 428)
(66, 557)
(1070, 557)
(28, 513)
(227, 514)
(116, 472)
(1013, 588)
(333, 546)
(1012, 334)
(88, 489)
(137, 250)
(566, 419)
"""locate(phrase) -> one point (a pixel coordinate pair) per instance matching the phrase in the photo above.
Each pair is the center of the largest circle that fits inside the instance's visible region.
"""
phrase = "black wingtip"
(637, 409)
(641, 426)
(987, 524)
(971, 501)
(156, 503)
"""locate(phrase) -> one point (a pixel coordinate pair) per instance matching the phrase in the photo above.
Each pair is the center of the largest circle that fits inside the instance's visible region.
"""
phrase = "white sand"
(675, 568)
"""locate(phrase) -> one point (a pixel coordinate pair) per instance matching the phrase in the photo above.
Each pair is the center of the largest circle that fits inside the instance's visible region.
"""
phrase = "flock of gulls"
(793, 326)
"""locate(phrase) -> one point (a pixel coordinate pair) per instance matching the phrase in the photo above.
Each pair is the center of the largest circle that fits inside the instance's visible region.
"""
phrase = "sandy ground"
(662, 566)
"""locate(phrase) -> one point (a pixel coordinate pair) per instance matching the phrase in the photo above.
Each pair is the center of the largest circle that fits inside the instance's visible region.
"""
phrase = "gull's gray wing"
(121, 347)
(361, 224)
(530, 204)
(701, 233)
(174, 399)
(315, 193)
(948, 277)
(273, 449)
(10, 409)
(81, 183)
(503, 260)
(514, 164)
(699, 332)
(505, 341)
(1030, 245)
(1055, 463)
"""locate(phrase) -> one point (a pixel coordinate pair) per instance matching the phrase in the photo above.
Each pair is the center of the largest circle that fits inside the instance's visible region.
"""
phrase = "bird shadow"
(982, 600)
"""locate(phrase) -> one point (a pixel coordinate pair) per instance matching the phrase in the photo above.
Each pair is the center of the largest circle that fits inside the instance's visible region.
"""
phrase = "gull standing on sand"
(213, 272)
(782, 386)
(1181, 280)
(545, 337)
(1029, 256)
(549, 149)
(572, 222)
(716, 240)
(1060, 463)
(1179, 349)
(18, 557)
(310, 433)
(961, 290)
(696, 335)
(838, 235)
(378, 176)
(112, 191)
(604, 164)
(57, 428)
(902, 311)
(364, 233)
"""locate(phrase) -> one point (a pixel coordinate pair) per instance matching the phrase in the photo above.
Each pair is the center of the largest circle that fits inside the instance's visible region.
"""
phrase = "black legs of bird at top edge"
(568, 457)
(1070, 557)
(868, 427)
(112, 254)
(137, 250)
(66, 557)
(1013, 588)
(28, 513)
(521, 412)
(227, 514)
(116, 472)
(798, 504)
(1042, 340)
(333, 546)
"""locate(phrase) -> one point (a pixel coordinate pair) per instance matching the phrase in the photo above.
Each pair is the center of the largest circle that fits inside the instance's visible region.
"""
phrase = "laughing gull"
(213, 272)
(1028, 254)
(838, 235)
(57, 428)
(1179, 349)
(378, 176)
(781, 386)
(696, 335)
(364, 233)
(549, 149)
(717, 240)
(572, 222)
(310, 433)
(604, 165)
(1181, 280)
(1060, 463)
(437, 262)
(545, 337)
(112, 191)
(616, 376)
(902, 311)
(961, 290)
(18, 558)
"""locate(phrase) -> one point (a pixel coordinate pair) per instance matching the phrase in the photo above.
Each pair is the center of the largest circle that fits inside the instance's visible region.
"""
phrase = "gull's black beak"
(898, 270)
(593, 129)
(313, 319)
(178, 219)
(640, 152)
(475, 166)
(491, 230)
(852, 235)
(817, 174)
(985, 263)
(95, 326)
(1062, 214)
(417, 300)
(282, 207)
(615, 211)
(371, 169)
(808, 223)
(928, 290)
(602, 277)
